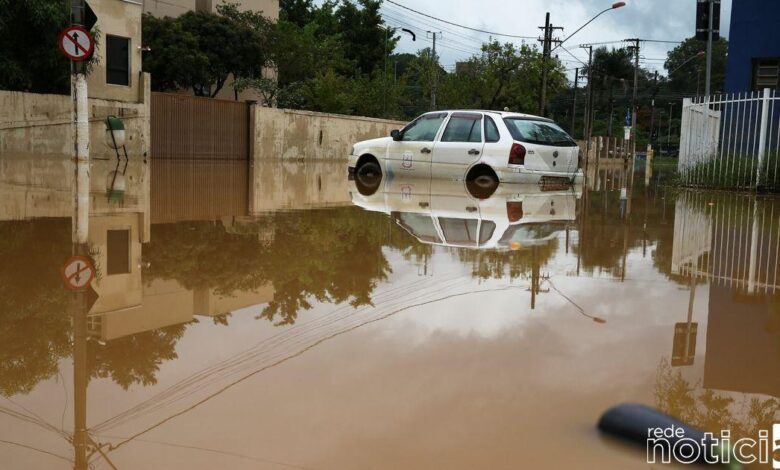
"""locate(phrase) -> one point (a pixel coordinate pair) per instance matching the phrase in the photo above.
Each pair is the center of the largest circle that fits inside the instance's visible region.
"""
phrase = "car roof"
(503, 114)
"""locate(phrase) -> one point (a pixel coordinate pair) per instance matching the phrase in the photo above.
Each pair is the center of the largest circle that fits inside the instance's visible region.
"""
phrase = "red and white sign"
(76, 43)
(78, 272)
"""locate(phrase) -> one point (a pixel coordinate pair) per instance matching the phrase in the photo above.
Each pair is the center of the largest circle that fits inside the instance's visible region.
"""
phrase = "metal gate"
(195, 128)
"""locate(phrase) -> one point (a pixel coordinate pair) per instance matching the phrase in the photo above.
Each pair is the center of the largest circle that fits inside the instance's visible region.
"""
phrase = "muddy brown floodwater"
(280, 316)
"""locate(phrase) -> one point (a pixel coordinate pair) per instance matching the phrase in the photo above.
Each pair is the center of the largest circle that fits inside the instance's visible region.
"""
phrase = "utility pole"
(574, 101)
(589, 108)
(669, 136)
(708, 74)
(652, 107)
(633, 97)
(81, 133)
(384, 79)
(546, 41)
(435, 74)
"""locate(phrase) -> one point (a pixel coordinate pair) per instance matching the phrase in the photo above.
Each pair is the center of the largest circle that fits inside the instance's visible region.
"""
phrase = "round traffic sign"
(76, 43)
(78, 272)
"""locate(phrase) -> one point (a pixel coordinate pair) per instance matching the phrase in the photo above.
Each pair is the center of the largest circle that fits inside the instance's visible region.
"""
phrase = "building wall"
(117, 18)
(753, 34)
(292, 134)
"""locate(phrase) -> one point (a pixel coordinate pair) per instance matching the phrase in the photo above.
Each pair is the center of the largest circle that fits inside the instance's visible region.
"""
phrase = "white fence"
(731, 141)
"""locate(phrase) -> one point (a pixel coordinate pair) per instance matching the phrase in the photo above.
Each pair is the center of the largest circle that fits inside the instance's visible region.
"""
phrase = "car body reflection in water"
(462, 215)
(277, 315)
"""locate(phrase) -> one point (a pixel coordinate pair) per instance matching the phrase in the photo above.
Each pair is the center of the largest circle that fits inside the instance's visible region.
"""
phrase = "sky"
(668, 20)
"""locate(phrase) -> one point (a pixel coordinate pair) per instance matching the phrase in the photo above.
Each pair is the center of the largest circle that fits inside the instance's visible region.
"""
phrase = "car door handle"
(473, 152)
(424, 205)
(471, 209)
(425, 150)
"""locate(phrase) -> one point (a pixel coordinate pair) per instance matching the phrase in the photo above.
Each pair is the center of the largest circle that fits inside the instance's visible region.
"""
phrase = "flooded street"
(279, 315)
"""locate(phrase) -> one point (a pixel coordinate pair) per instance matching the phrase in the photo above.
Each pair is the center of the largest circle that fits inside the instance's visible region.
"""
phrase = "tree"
(29, 58)
(200, 50)
(611, 69)
(689, 77)
(175, 61)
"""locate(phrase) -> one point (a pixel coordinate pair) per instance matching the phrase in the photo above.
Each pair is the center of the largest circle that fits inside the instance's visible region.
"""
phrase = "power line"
(460, 25)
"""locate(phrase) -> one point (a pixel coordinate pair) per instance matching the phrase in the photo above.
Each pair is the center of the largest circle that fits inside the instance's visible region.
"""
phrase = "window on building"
(117, 60)
(118, 252)
(766, 73)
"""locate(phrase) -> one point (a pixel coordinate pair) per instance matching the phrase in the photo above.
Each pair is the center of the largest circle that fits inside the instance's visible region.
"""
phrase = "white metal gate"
(731, 141)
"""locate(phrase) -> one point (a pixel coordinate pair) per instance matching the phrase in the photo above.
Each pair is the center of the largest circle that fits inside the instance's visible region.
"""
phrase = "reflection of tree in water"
(134, 359)
(34, 320)
(331, 255)
(709, 410)
(495, 264)
(202, 255)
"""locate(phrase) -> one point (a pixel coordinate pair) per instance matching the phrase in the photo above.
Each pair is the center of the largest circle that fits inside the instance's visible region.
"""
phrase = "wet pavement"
(281, 316)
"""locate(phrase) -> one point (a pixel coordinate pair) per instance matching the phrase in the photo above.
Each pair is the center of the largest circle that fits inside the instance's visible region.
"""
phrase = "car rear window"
(538, 132)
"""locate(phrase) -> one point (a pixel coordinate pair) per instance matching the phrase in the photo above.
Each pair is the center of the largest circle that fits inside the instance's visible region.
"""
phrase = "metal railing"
(730, 239)
(731, 141)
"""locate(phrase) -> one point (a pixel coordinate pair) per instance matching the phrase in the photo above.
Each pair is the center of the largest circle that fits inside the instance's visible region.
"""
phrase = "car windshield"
(424, 128)
(538, 132)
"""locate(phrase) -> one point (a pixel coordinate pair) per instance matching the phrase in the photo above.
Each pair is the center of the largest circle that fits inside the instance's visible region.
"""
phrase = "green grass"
(737, 173)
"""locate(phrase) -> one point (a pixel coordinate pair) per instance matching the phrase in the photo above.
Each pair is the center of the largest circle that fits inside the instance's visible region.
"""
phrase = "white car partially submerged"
(472, 145)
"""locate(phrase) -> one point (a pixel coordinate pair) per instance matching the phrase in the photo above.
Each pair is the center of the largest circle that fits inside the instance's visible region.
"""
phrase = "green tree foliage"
(29, 57)
(688, 77)
(503, 76)
(175, 60)
(205, 49)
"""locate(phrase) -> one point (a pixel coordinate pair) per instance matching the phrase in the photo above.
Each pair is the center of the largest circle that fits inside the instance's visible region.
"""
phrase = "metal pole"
(669, 137)
(708, 74)
(384, 80)
(574, 103)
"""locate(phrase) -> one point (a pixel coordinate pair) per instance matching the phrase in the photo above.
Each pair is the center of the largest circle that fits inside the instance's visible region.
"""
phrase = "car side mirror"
(395, 134)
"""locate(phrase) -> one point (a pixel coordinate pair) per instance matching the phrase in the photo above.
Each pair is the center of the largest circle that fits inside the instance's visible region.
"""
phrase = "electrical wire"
(460, 25)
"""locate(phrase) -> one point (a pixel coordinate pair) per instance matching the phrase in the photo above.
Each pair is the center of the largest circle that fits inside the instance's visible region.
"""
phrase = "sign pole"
(79, 94)
(708, 74)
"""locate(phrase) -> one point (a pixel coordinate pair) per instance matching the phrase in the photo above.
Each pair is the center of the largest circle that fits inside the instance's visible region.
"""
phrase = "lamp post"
(614, 6)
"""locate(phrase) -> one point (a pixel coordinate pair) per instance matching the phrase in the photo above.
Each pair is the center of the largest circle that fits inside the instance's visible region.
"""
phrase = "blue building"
(754, 46)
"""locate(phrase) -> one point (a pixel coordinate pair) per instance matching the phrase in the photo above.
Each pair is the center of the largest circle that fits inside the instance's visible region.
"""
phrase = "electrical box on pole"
(703, 19)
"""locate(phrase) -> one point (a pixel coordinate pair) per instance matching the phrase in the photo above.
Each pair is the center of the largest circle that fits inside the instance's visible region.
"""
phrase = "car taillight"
(514, 211)
(517, 155)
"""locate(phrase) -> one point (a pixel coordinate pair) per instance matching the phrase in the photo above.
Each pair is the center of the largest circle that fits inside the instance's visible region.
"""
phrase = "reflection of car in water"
(450, 213)
(472, 145)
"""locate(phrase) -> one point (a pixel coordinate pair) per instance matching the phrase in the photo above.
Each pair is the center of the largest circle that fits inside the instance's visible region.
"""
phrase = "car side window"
(491, 130)
(424, 128)
(463, 127)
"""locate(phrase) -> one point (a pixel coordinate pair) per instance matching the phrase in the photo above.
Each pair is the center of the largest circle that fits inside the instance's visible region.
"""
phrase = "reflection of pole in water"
(80, 377)
(690, 316)
(753, 250)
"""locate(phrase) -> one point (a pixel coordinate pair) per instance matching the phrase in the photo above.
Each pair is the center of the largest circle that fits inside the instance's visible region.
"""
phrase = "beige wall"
(117, 18)
(289, 185)
(290, 134)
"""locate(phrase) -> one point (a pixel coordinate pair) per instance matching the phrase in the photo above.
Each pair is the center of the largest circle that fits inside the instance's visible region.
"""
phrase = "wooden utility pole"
(589, 109)
(633, 96)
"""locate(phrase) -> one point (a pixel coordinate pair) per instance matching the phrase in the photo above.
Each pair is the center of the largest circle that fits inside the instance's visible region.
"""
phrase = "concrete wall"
(291, 134)
(117, 18)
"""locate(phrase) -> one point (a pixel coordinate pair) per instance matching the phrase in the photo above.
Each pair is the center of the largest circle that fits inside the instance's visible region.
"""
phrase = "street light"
(614, 6)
